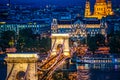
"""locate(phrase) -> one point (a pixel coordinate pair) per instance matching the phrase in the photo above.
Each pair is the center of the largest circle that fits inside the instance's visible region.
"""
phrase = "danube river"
(84, 71)
(3, 70)
(98, 71)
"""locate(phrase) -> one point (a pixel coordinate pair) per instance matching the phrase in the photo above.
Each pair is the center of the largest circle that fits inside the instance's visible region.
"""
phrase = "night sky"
(52, 2)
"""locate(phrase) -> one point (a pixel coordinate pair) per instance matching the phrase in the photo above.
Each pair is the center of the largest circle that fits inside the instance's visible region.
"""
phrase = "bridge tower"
(21, 66)
(60, 39)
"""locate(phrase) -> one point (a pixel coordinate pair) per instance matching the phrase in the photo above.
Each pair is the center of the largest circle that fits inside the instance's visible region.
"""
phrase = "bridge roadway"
(51, 59)
(10, 72)
(49, 72)
(45, 63)
(52, 64)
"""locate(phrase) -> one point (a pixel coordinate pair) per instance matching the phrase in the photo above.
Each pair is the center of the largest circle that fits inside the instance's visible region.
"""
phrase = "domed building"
(101, 9)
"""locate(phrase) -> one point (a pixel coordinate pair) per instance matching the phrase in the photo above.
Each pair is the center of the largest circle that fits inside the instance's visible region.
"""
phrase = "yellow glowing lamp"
(67, 54)
(2, 22)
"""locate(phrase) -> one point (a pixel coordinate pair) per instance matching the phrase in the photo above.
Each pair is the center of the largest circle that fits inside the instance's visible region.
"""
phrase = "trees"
(100, 39)
(45, 43)
(96, 41)
(92, 44)
(33, 42)
(7, 35)
(114, 42)
(25, 38)
(26, 33)
(25, 41)
(7, 39)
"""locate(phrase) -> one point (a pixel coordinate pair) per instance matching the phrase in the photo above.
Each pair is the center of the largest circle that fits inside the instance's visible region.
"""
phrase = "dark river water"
(98, 71)
(3, 70)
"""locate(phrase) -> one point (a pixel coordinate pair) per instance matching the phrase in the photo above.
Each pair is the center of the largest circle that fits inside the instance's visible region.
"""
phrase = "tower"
(101, 9)
(87, 9)
(109, 8)
(21, 66)
(60, 39)
(54, 26)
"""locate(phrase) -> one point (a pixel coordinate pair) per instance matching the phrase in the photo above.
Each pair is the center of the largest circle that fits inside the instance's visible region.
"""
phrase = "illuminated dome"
(99, 1)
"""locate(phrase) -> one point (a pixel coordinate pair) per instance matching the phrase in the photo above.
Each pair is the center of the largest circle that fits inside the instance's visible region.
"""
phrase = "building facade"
(101, 9)
(79, 28)
(37, 27)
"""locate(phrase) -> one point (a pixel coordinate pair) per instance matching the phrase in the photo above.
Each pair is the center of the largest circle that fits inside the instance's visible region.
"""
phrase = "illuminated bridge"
(24, 66)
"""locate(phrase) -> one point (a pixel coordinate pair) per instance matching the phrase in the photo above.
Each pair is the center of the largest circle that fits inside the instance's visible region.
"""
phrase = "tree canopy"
(6, 38)
(92, 44)
(114, 42)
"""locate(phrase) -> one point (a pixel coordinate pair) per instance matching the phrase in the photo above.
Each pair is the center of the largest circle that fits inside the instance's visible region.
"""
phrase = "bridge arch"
(21, 66)
(59, 48)
(20, 75)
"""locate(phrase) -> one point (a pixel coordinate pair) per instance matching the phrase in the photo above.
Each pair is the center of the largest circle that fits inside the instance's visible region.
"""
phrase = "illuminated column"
(53, 43)
(87, 9)
(66, 46)
(53, 46)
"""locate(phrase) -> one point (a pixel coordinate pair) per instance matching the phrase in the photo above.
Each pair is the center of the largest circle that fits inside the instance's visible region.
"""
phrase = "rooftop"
(65, 21)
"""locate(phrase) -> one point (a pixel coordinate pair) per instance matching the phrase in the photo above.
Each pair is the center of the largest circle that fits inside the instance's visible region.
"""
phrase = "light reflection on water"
(3, 70)
(98, 71)
(85, 71)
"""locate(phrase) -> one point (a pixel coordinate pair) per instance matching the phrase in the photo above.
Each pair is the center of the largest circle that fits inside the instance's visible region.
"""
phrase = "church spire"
(109, 7)
(87, 8)
(54, 26)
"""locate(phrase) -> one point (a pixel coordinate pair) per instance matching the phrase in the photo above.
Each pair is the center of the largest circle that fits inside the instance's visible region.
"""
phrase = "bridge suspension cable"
(55, 67)
(59, 61)
(59, 54)
(51, 58)
(26, 72)
(10, 72)
(56, 63)
(48, 61)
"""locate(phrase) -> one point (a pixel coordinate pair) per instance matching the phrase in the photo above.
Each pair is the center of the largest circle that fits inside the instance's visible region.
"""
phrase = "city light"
(59, 39)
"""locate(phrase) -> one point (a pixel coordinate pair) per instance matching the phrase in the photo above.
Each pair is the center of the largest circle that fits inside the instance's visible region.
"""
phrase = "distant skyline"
(58, 3)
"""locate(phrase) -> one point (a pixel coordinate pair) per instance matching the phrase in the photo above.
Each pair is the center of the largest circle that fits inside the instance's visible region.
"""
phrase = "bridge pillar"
(58, 39)
(21, 66)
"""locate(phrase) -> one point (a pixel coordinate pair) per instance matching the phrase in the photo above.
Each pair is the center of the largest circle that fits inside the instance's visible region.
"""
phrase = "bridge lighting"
(66, 54)
(23, 55)
(53, 53)
(2, 22)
